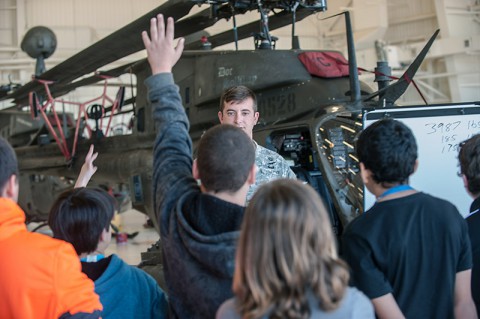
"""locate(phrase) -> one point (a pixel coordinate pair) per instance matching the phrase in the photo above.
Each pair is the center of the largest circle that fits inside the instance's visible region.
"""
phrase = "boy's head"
(8, 170)
(469, 158)
(80, 216)
(388, 149)
(225, 158)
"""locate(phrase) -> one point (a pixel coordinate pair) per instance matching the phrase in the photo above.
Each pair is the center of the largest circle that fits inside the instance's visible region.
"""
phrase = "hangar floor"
(132, 221)
(129, 221)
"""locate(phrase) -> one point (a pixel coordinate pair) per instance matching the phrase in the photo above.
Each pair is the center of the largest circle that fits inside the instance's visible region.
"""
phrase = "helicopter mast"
(264, 36)
(295, 44)
(235, 31)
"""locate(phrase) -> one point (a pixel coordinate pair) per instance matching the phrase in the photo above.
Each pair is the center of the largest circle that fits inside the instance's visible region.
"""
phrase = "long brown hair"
(286, 251)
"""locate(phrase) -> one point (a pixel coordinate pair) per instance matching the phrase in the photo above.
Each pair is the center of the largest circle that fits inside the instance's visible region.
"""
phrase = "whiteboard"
(438, 130)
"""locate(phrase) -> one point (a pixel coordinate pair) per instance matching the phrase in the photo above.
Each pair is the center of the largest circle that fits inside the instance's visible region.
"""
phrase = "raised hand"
(88, 169)
(161, 52)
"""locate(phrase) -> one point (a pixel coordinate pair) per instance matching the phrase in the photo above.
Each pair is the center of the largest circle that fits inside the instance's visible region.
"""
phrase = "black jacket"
(198, 231)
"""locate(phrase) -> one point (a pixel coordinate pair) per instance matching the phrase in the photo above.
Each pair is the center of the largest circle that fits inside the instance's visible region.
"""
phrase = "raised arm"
(88, 169)
(172, 151)
(161, 52)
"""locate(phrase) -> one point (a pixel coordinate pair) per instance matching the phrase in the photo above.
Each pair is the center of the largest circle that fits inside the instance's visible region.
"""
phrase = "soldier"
(238, 106)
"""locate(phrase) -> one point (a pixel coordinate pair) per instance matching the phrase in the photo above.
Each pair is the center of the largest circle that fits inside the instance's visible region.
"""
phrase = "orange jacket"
(40, 277)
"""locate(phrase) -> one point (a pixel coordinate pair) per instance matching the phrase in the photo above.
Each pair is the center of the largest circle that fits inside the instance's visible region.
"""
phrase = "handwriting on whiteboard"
(451, 134)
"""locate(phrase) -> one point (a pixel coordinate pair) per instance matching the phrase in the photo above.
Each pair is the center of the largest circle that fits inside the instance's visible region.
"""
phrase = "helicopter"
(310, 111)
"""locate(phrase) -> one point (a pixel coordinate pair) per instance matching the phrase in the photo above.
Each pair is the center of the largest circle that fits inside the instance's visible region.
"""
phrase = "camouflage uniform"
(270, 166)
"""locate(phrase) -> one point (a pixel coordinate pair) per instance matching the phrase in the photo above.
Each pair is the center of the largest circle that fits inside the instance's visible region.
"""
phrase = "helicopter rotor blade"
(113, 47)
(392, 92)
(107, 50)
(60, 89)
(192, 24)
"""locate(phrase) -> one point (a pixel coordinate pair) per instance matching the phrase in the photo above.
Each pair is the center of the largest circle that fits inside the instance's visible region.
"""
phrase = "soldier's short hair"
(237, 94)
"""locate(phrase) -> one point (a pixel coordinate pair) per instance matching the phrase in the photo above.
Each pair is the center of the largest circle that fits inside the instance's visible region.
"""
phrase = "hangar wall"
(395, 28)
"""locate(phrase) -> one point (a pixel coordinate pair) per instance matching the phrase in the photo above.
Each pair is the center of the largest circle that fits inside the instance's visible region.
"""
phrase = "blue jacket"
(128, 292)
(198, 231)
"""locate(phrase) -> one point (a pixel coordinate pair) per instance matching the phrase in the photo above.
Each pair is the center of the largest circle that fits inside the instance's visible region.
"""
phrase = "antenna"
(352, 61)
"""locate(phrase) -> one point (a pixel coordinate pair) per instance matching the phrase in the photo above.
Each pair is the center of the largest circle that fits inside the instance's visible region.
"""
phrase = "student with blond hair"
(286, 262)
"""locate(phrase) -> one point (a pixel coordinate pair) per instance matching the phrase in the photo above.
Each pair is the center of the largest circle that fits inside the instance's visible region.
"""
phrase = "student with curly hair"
(286, 262)
(469, 158)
